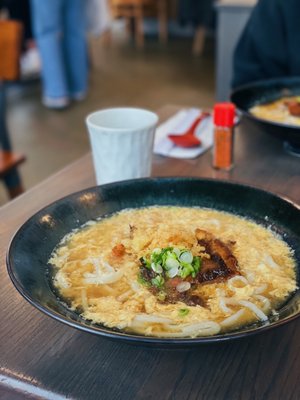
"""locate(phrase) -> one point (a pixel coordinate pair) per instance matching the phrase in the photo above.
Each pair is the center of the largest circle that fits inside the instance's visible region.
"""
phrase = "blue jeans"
(59, 29)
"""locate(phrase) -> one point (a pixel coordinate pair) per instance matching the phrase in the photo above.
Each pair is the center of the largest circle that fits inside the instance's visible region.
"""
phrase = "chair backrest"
(11, 33)
(128, 8)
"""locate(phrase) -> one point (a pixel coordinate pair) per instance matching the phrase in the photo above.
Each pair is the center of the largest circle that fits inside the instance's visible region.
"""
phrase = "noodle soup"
(285, 110)
(174, 271)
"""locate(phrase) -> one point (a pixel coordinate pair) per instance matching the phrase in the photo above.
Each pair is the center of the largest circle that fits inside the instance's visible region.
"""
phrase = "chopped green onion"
(170, 262)
(161, 296)
(146, 263)
(186, 257)
(176, 251)
(157, 268)
(142, 281)
(172, 272)
(185, 270)
(156, 251)
(183, 312)
(158, 281)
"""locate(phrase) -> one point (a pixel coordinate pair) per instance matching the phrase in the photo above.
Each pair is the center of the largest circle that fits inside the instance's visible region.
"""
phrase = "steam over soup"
(174, 271)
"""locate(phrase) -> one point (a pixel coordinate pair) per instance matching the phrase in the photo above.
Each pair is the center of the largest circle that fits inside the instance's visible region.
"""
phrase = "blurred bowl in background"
(266, 91)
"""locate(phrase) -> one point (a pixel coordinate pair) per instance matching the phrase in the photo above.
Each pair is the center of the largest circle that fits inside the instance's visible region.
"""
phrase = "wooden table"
(47, 359)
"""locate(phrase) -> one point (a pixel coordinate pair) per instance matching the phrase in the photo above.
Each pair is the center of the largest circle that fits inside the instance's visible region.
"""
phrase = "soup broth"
(174, 271)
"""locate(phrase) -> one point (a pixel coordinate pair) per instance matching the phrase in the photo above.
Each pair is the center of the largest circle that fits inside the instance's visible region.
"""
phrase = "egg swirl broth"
(285, 110)
(168, 271)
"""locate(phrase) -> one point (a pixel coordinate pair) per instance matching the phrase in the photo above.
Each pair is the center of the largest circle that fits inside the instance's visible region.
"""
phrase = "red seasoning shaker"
(224, 115)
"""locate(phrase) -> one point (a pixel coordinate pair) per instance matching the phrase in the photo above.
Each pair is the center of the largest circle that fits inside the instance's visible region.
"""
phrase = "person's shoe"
(56, 103)
(79, 96)
(30, 63)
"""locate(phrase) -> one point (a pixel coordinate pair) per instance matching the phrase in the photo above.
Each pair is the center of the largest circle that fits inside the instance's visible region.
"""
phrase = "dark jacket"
(197, 12)
(270, 44)
(19, 10)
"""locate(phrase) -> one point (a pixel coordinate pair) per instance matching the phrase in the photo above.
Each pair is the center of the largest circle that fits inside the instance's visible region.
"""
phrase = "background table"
(42, 358)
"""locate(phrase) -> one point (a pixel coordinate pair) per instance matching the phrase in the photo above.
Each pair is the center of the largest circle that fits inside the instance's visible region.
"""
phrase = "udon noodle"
(174, 271)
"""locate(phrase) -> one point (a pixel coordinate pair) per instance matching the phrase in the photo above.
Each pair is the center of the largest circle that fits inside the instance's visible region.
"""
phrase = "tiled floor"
(120, 75)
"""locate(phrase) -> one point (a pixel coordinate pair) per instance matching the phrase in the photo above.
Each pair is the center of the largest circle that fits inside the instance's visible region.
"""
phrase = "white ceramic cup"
(122, 143)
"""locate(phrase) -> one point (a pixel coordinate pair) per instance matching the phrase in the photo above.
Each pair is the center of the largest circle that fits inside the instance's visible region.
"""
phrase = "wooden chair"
(135, 11)
(9, 160)
(11, 35)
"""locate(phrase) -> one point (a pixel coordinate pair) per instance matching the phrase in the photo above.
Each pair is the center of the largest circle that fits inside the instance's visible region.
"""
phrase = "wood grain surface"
(43, 358)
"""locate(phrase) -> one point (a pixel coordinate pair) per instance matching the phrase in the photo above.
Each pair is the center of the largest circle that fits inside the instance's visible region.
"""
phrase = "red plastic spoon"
(188, 138)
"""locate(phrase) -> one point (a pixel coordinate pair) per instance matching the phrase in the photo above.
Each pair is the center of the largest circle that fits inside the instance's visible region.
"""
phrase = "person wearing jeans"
(59, 29)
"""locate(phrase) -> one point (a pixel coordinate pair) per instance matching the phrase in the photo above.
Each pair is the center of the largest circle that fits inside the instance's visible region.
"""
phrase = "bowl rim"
(116, 334)
(281, 81)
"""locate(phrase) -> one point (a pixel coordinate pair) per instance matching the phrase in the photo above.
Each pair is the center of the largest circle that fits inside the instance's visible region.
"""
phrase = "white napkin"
(178, 124)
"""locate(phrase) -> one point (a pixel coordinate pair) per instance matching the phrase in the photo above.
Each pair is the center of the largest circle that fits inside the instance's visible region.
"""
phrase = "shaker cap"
(224, 114)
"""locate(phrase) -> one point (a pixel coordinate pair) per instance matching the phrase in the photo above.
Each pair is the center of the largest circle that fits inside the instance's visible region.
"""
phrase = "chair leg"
(4, 136)
(15, 191)
(163, 21)
(12, 178)
(129, 26)
(107, 38)
(139, 30)
(199, 39)
(13, 183)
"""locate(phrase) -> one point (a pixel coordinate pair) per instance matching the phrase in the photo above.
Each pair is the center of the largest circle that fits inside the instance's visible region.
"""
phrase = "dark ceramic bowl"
(32, 245)
(266, 91)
